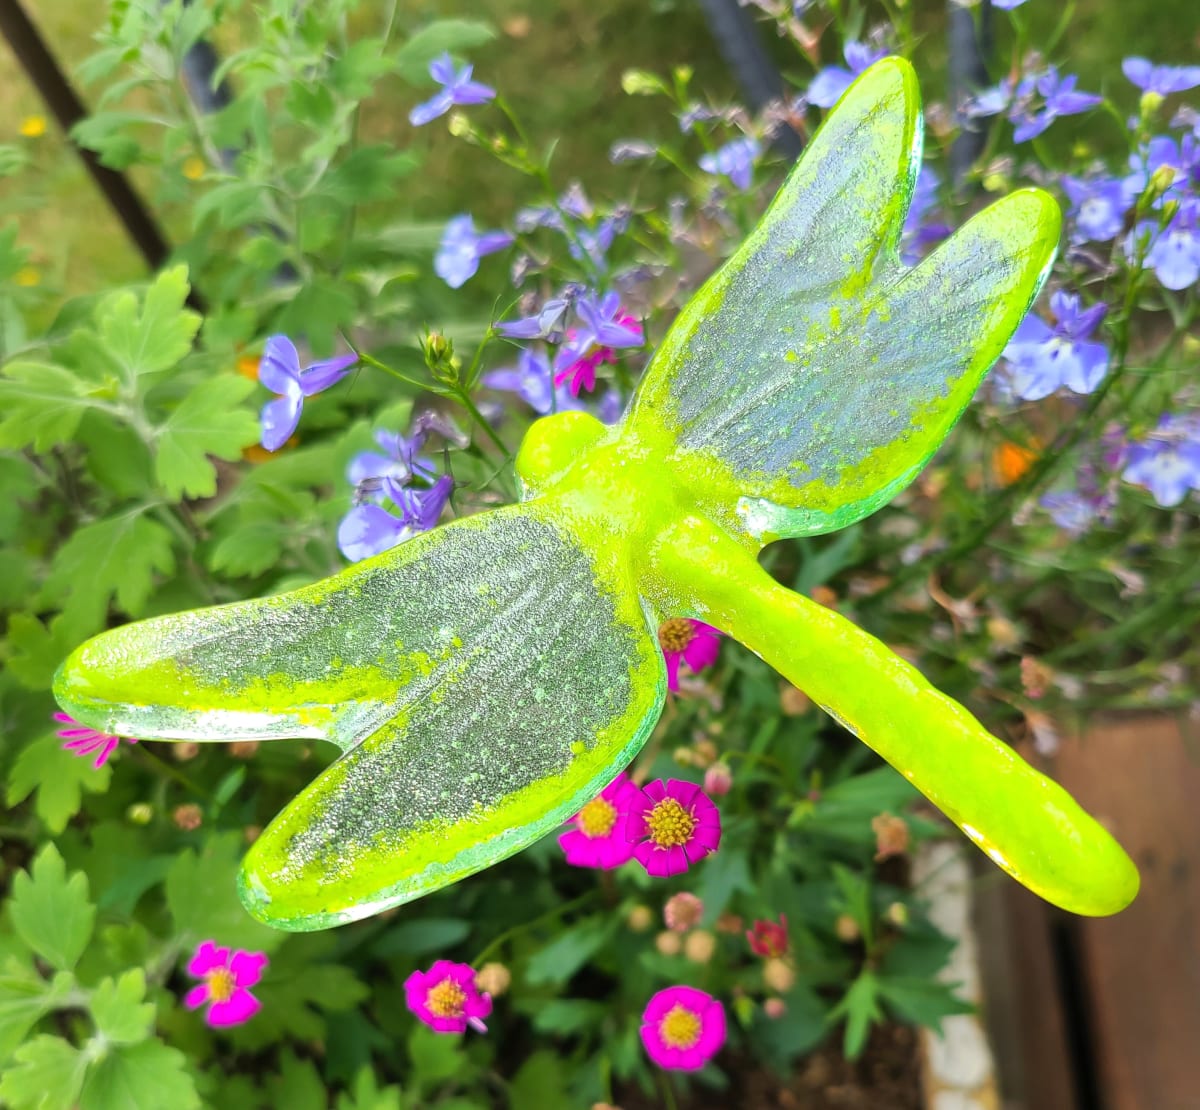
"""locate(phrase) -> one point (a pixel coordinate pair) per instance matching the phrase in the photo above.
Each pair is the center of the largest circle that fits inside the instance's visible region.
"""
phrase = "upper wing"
(485, 680)
(814, 375)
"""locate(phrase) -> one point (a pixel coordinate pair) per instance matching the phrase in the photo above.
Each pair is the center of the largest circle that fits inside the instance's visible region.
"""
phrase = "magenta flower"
(81, 740)
(598, 838)
(447, 999)
(769, 938)
(683, 1028)
(228, 977)
(672, 825)
(695, 642)
(607, 328)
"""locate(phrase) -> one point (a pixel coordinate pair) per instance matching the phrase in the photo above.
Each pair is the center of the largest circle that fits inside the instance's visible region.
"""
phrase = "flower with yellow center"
(682, 1028)
(670, 824)
(221, 984)
(597, 818)
(447, 999)
(676, 634)
(689, 641)
(674, 825)
(597, 837)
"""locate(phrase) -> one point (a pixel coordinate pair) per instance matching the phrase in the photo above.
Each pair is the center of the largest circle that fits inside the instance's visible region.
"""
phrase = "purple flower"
(829, 84)
(920, 233)
(400, 461)
(611, 406)
(370, 529)
(1163, 153)
(537, 326)
(457, 88)
(605, 324)
(1070, 510)
(1174, 251)
(1044, 357)
(82, 741)
(540, 215)
(1167, 461)
(989, 102)
(734, 160)
(280, 372)
(630, 150)
(530, 380)
(1059, 98)
(228, 976)
(1098, 208)
(458, 256)
(1162, 80)
(1007, 5)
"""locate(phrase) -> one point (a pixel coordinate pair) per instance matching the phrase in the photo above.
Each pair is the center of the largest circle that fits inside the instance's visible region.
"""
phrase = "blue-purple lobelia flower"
(921, 227)
(1007, 5)
(735, 160)
(462, 247)
(604, 326)
(1162, 80)
(400, 462)
(531, 380)
(537, 326)
(1076, 510)
(1043, 357)
(1098, 207)
(280, 372)
(370, 529)
(831, 81)
(457, 88)
(1167, 461)
(1173, 252)
(1174, 167)
(1059, 98)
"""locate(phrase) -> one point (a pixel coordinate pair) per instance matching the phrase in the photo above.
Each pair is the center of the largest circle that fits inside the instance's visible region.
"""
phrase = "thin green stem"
(528, 926)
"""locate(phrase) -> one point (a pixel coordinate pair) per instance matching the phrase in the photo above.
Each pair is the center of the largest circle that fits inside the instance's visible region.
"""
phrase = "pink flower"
(683, 1028)
(695, 642)
(81, 740)
(682, 912)
(227, 978)
(447, 999)
(769, 938)
(598, 839)
(582, 372)
(718, 779)
(677, 825)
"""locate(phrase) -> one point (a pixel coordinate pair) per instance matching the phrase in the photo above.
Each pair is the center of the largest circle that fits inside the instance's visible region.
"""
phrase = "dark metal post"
(970, 46)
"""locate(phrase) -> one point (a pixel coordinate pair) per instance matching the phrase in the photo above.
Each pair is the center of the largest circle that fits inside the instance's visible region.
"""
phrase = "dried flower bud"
(705, 751)
(700, 946)
(683, 912)
(891, 836)
(1003, 633)
(684, 756)
(774, 1008)
(793, 702)
(252, 833)
(640, 919)
(778, 975)
(718, 779)
(668, 943)
(493, 978)
(730, 923)
(825, 596)
(846, 929)
(1035, 676)
(185, 751)
(243, 749)
(188, 817)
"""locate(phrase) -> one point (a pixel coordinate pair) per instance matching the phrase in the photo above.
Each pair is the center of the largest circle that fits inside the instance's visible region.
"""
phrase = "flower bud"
(700, 946)
(774, 1008)
(718, 779)
(897, 914)
(668, 943)
(251, 833)
(637, 82)
(458, 125)
(778, 975)
(140, 813)
(846, 929)
(684, 756)
(185, 751)
(243, 749)
(188, 817)
(1150, 103)
(793, 702)
(683, 912)
(891, 836)
(825, 596)
(639, 919)
(705, 751)
(439, 356)
(493, 978)
(730, 923)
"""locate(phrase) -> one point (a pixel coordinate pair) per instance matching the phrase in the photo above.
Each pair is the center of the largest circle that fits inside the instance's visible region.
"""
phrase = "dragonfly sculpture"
(486, 679)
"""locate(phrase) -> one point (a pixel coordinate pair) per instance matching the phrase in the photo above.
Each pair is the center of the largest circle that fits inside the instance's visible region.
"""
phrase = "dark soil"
(886, 1077)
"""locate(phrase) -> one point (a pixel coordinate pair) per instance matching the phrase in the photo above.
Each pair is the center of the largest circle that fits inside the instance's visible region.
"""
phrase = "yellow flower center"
(675, 634)
(680, 1028)
(670, 824)
(446, 999)
(221, 984)
(597, 818)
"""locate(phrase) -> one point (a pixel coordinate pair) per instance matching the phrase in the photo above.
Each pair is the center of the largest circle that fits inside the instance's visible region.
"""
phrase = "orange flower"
(1010, 461)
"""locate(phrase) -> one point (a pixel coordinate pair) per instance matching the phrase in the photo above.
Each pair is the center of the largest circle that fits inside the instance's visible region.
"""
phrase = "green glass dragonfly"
(486, 679)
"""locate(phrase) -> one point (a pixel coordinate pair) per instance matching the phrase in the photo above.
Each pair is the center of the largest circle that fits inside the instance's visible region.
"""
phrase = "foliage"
(1041, 543)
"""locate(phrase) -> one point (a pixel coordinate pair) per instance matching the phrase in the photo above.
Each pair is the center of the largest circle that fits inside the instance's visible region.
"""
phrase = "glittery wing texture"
(815, 374)
(484, 681)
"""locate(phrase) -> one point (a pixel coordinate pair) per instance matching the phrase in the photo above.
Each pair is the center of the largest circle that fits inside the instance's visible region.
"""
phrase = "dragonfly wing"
(815, 374)
(499, 677)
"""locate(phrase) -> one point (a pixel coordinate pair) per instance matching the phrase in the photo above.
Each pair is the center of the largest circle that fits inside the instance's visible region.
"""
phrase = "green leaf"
(146, 1076)
(207, 422)
(541, 1081)
(118, 1010)
(922, 1001)
(298, 1085)
(435, 1057)
(155, 336)
(24, 997)
(59, 778)
(35, 650)
(252, 548)
(565, 1016)
(368, 1095)
(370, 173)
(860, 1007)
(113, 558)
(420, 937)
(41, 405)
(45, 1074)
(452, 35)
(201, 892)
(51, 913)
(562, 957)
